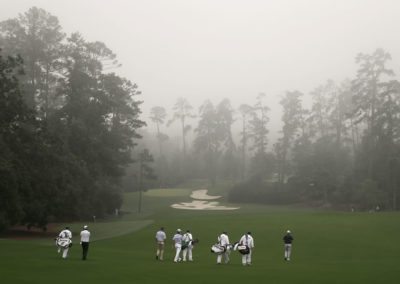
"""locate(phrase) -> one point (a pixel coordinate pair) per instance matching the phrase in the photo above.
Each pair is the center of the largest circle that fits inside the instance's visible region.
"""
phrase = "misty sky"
(213, 49)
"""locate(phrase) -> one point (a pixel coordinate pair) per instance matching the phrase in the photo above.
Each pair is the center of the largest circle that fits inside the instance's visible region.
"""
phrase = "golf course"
(328, 247)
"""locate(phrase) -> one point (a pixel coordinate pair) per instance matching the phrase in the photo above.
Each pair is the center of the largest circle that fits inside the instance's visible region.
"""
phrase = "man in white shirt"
(248, 241)
(223, 240)
(178, 244)
(64, 241)
(85, 237)
(160, 241)
(187, 246)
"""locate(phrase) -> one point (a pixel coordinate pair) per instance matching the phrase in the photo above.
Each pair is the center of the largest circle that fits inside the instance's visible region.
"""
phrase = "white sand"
(202, 195)
(203, 203)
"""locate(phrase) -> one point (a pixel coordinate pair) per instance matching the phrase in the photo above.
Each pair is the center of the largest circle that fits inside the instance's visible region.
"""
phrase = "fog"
(215, 49)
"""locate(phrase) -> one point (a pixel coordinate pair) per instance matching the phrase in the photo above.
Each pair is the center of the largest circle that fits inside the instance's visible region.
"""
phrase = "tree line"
(342, 151)
(67, 127)
(69, 131)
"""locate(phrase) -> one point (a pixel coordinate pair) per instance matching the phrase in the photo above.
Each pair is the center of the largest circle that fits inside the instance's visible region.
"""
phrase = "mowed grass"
(329, 247)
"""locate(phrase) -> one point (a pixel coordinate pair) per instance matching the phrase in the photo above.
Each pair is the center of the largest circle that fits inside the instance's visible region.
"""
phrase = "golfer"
(223, 240)
(178, 244)
(85, 237)
(65, 236)
(187, 246)
(287, 240)
(160, 241)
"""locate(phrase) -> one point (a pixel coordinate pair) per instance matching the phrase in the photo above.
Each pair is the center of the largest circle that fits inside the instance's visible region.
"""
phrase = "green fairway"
(329, 247)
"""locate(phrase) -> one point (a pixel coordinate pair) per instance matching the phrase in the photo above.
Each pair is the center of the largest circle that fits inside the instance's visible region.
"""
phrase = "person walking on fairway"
(248, 241)
(160, 241)
(64, 238)
(85, 237)
(287, 240)
(187, 246)
(223, 240)
(178, 244)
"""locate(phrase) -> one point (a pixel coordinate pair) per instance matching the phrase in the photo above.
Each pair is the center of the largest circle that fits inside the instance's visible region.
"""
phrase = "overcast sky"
(215, 49)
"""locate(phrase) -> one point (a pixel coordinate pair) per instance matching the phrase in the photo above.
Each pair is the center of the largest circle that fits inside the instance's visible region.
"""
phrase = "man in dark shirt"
(288, 239)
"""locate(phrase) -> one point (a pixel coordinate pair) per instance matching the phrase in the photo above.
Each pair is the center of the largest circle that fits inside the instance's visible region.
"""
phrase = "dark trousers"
(85, 249)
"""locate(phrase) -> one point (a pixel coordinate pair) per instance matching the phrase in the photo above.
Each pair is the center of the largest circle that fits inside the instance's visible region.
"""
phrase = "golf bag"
(63, 242)
(189, 243)
(185, 245)
(218, 249)
(243, 249)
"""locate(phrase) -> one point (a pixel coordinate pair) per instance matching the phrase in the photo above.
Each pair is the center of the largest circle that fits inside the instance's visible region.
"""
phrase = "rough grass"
(329, 247)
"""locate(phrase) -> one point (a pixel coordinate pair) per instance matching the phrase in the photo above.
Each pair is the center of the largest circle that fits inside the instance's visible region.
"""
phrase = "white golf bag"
(220, 249)
(63, 242)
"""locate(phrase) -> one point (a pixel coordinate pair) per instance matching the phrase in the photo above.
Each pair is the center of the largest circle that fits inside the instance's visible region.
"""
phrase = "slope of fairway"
(109, 230)
(329, 247)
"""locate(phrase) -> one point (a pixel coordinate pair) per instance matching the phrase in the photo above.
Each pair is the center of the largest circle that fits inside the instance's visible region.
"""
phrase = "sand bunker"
(203, 203)
(202, 195)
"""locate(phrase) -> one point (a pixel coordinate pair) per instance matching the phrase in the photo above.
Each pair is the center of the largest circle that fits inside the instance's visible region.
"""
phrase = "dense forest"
(342, 151)
(67, 127)
(71, 140)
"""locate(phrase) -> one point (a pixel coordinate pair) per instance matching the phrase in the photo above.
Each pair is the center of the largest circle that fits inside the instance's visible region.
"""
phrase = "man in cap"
(160, 240)
(287, 240)
(85, 237)
(223, 240)
(177, 238)
(248, 241)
